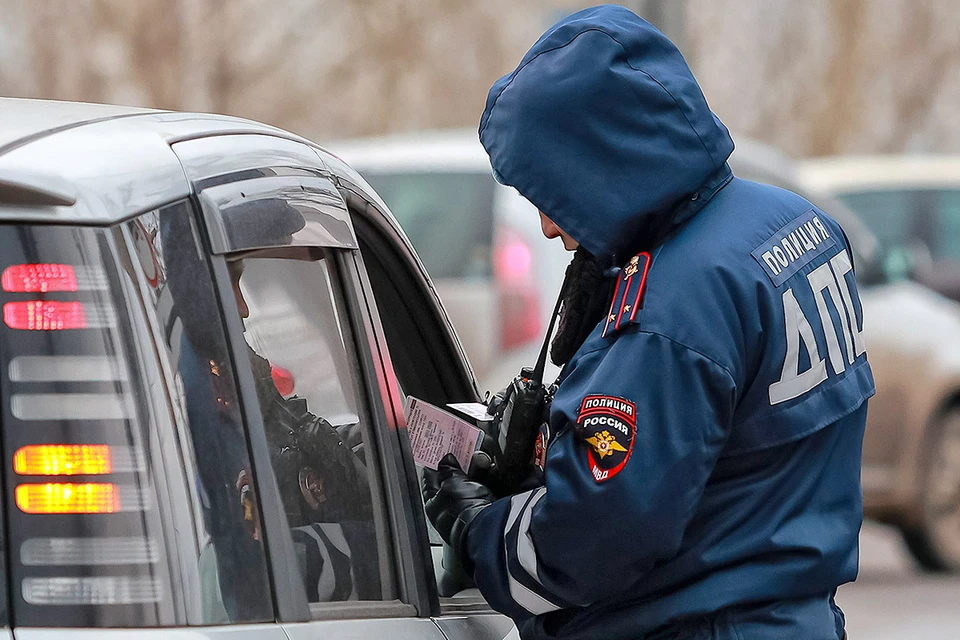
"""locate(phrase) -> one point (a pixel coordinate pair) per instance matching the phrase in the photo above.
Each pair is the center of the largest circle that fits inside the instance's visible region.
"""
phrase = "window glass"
(447, 216)
(178, 291)
(886, 213)
(947, 227)
(425, 368)
(307, 389)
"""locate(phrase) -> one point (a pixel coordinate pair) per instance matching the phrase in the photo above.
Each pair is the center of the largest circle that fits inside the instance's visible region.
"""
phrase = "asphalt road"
(892, 600)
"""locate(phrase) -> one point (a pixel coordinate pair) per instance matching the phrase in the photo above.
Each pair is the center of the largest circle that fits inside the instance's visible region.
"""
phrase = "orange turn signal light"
(68, 497)
(63, 460)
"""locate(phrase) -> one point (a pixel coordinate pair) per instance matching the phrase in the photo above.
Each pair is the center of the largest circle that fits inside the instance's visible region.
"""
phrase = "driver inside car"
(318, 474)
(322, 481)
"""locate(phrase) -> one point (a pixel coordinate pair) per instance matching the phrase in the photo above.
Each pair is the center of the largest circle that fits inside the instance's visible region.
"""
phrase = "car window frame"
(227, 157)
(334, 258)
(289, 595)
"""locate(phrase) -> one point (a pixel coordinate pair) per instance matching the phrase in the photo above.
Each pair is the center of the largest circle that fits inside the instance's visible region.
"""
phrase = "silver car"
(209, 330)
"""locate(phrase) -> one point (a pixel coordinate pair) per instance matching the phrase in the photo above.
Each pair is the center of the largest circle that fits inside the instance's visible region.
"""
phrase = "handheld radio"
(518, 412)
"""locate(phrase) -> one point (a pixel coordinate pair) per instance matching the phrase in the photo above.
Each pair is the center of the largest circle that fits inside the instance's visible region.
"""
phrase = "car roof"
(79, 163)
(842, 174)
(435, 151)
(24, 119)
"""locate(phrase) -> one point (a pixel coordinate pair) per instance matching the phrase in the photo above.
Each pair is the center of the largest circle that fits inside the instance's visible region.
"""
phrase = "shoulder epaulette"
(628, 296)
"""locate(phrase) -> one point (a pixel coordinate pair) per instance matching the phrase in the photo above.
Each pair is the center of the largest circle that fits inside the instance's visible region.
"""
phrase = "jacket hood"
(603, 127)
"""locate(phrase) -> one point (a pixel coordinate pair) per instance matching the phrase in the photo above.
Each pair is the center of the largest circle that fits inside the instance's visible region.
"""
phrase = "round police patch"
(607, 425)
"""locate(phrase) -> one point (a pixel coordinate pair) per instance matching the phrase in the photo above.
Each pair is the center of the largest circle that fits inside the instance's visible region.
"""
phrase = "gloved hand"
(452, 501)
(483, 464)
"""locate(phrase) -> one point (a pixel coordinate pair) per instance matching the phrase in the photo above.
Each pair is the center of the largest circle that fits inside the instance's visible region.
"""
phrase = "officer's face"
(551, 231)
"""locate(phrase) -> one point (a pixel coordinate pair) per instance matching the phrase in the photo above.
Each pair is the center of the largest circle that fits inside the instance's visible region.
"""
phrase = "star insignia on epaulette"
(628, 293)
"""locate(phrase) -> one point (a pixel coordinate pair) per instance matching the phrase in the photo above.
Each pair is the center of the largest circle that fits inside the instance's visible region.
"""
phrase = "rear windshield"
(447, 216)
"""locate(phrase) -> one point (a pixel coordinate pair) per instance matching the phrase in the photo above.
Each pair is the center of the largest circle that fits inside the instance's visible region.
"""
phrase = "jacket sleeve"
(602, 521)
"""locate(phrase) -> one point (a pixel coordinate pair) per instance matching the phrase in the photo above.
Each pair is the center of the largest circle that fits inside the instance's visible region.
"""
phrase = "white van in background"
(495, 272)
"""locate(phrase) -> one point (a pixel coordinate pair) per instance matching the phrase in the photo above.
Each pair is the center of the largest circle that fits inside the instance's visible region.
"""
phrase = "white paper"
(434, 433)
(472, 409)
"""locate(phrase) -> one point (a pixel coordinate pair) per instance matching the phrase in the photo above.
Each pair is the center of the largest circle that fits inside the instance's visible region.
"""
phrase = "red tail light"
(44, 277)
(512, 261)
(519, 297)
(39, 278)
(44, 315)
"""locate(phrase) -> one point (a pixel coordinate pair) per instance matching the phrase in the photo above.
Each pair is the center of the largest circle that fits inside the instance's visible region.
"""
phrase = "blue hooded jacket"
(704, 462)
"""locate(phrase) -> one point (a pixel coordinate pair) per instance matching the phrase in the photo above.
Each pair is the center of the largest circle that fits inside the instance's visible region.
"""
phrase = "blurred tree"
(832, 76)
(814, 77)
(105, 50)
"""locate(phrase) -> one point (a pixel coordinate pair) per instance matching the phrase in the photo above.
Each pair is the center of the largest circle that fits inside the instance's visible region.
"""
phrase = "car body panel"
(118, 171)
(124, 162)
(211, 156)
(25, 118)
(841, 174)
(234, 632)
(394, 629)
(176, 127)
(913, 339)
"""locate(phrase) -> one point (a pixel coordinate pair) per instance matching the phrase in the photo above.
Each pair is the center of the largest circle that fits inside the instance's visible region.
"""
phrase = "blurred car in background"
(912, 205)
(911, 449)
(480, 241)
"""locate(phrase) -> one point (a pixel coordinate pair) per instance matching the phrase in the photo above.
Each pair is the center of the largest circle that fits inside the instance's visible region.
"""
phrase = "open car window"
(425, 365)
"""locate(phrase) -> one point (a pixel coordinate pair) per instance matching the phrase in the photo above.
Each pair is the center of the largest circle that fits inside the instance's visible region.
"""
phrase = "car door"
(421, 357)
(335, 520)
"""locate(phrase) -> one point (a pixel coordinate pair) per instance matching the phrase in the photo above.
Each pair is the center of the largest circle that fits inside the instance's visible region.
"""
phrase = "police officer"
(703, 476)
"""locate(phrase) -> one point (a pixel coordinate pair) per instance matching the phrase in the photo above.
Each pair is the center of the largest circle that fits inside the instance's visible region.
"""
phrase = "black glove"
(451, 501)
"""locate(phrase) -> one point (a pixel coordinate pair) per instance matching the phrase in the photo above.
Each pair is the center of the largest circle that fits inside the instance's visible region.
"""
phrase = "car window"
(946, 236)
(888, 214)
(121, 415)
(178, 293)
(447, 216)
(300, 351)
